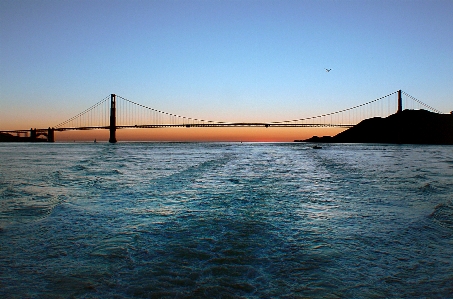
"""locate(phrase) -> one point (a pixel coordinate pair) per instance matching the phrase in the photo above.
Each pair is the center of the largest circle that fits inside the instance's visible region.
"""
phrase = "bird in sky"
(328, 70)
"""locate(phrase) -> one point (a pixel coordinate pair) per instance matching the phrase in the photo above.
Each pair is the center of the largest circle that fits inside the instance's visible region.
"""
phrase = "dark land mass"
(405, 127)
(5, 137)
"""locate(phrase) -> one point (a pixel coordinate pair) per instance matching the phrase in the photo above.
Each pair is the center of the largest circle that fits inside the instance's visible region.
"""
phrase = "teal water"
(225, 220)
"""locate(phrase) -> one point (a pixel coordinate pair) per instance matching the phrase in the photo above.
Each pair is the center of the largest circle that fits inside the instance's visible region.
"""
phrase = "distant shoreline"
(5, 137)
(405, 127)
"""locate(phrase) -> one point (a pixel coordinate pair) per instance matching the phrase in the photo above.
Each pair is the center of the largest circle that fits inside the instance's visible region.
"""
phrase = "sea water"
(225, 220)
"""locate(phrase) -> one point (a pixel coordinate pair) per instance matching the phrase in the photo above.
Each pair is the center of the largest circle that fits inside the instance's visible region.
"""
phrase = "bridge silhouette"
(115, 112)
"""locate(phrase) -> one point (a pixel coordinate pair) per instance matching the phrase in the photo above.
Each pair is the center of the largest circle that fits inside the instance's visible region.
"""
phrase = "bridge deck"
(205, 125)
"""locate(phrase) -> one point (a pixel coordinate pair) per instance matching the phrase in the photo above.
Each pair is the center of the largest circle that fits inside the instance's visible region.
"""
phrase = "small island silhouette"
(405, 127)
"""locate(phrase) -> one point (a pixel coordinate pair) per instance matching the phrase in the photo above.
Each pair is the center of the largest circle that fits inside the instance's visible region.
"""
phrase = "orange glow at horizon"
(200, 134)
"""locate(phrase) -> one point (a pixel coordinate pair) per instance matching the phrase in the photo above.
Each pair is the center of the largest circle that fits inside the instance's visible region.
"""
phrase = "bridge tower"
(112, 118)
(51, 135)
(400, 102)
(33, 134)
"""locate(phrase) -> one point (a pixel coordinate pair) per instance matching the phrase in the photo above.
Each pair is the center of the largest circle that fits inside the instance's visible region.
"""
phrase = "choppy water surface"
(185, 220)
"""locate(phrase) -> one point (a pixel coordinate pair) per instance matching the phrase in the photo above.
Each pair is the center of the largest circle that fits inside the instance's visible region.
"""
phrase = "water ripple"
(163, 220)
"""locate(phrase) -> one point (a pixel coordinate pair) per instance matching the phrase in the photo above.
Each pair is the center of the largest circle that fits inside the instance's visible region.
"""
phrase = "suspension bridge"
(115, 112)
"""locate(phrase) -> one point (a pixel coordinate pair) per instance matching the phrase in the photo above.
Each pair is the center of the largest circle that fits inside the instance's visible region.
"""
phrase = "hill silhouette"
(408, 126)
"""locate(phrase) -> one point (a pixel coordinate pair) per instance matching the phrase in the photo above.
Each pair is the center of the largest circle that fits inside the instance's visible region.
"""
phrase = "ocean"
(225, 220)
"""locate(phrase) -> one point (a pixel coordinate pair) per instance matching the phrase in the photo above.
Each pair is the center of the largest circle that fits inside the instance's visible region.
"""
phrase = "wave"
(19, 205)
(443, 215)
(428, 188)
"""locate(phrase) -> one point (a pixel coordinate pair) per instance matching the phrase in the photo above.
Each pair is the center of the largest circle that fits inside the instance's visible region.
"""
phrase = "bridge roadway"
(206, 125)
(49, 133)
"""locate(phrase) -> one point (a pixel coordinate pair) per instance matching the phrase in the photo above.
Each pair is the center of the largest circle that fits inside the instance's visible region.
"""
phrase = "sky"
(222, 60)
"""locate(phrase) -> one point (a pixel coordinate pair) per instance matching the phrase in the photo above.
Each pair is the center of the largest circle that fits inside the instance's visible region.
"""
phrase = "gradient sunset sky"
(220, 60)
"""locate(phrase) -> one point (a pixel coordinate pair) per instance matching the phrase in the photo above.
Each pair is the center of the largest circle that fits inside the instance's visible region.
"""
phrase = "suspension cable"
(79, 116)
(420, 102)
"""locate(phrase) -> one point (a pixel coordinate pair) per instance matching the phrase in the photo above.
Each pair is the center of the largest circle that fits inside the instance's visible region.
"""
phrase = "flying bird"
(328, 70)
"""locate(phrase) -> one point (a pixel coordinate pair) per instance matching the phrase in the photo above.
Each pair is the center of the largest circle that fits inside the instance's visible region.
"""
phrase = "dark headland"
(405, 127)
(5, 137)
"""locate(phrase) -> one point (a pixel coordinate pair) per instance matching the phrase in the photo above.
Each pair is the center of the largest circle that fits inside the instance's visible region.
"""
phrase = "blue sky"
(220, 60)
